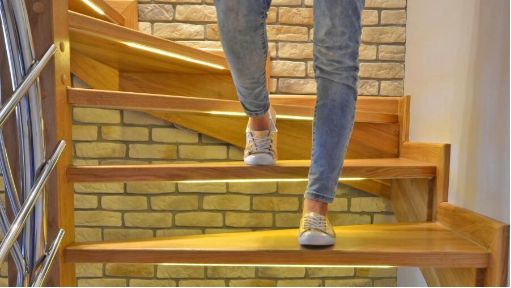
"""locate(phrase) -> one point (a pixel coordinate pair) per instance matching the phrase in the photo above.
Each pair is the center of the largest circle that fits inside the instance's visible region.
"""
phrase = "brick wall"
(382, 53)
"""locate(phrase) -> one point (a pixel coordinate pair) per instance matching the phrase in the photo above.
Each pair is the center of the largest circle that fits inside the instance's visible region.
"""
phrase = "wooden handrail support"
(58, 122)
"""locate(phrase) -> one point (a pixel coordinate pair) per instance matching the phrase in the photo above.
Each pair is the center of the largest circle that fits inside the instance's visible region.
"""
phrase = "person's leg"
(337, 30)
(242, 26)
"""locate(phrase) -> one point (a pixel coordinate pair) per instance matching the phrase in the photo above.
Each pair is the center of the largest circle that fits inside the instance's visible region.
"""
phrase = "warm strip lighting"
(279, 116)
(261, 180)
(94, 7)
(279, 265)
(172, 55)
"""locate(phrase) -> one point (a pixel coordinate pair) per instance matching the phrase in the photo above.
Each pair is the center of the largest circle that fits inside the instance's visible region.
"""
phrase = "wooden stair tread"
(110, 14)
(159, 102)
(353, 168)
(411, 244)
(107, 43)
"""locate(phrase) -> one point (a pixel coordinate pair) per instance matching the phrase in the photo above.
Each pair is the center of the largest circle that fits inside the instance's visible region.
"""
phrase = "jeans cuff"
(318, 197)
(258, 113)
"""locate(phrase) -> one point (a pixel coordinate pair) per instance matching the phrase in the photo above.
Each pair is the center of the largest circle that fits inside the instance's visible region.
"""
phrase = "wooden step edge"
(102, 29)
(410, 244)
(108, 13)
(237, 170)
(157, 102)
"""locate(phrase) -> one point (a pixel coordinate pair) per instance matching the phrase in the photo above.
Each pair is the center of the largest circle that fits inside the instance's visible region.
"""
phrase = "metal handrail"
(48, 260)
(21, 218)
(28, 81)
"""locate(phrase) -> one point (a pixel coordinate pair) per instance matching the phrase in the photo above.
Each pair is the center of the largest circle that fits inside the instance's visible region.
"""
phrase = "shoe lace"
(314, 222)
(260, 144)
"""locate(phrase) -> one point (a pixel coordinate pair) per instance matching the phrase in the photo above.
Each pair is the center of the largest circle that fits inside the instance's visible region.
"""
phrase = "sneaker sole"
(316, 239)
(259, 160)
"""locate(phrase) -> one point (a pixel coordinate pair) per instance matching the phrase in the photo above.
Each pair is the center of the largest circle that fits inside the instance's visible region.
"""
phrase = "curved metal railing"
(25, 237)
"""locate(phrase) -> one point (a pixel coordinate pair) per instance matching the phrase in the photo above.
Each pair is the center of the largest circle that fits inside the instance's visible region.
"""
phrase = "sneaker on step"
(316, 230)
(261, 146)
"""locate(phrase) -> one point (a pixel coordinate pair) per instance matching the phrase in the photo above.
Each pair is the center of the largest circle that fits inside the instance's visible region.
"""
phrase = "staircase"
(452, 245)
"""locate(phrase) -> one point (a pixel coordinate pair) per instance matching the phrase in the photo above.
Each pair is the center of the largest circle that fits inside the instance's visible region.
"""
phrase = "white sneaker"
(316, 230)
(261, 146)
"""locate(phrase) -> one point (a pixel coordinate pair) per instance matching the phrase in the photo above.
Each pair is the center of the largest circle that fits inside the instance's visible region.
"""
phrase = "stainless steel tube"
(45, 266)
(29, 203)
(16, 250)
(10, 186)
(22, 90)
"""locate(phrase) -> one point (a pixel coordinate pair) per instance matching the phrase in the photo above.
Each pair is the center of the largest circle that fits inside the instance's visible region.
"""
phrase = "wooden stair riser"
(110, 13)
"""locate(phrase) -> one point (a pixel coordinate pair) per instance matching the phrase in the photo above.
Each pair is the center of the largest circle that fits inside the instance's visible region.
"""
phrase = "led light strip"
(172, 55)
(261, 180)
(94, 7)
(279, 116)
(278, 265)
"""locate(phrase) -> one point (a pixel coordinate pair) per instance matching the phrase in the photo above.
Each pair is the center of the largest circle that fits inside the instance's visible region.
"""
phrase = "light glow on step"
(279, 265)
(261, 180)
(94, 7)
(172, 55)
(242, 114)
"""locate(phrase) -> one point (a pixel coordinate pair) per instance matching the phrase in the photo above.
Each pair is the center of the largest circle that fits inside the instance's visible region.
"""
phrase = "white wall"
(457, 72)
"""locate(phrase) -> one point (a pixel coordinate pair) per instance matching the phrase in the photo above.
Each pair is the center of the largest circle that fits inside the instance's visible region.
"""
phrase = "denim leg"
(337, 31)
(242, 26)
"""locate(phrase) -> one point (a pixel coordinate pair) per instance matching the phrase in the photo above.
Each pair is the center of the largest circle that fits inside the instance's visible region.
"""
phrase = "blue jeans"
(337, 30)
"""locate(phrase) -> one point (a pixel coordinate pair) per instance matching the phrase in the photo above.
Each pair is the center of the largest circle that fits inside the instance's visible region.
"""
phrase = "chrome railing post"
(31, 257)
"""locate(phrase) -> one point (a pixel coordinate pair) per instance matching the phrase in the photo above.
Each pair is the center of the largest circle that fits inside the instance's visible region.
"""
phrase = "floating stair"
(404, 244)
(129, 50)
(193, 88)
(287, 169)
(99, 9)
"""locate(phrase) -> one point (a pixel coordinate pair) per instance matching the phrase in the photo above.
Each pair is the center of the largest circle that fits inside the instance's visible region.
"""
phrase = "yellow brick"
(85, 132)
(173, 135)
(199, 219)
(288, 220)
(94, 115)
(100, 150)
(102, 282)
(384, 218)
(385, 282)
(202, 187)
(226, 202)
(178, 31)
(385, 3)
(129, 270)
(125, 133)
(299, 283)
(238, 219)
(127, 234)
(384, 34)
(87, 234)
(210, 152)
(349, 219)
(331, 272)
(148, 219)
(287, 33)
(177, 232)
(152, 283)
(153, 151)
(201, 283)
(175, 202)
(393, 17)
(141, 118)
(85, 201)
(382, 70)
(376, 272)
(299, 16)
(124, 202)
(339, 204)
(275, 203)
(368, 87)
(287, 69)
(230, 272)
(370, 17)
(99, 187)
(281, 272)
(298, 51)
(253, 187)
(191, 13)
(89, 270)
(252, 283)
(297, 187)
(151, 187)
(297, 86)
(172, 271)
(349, 283)
(97, 218)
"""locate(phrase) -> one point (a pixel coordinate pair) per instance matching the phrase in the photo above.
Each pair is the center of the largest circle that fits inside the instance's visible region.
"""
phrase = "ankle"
(315, 206)
(259, 123)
